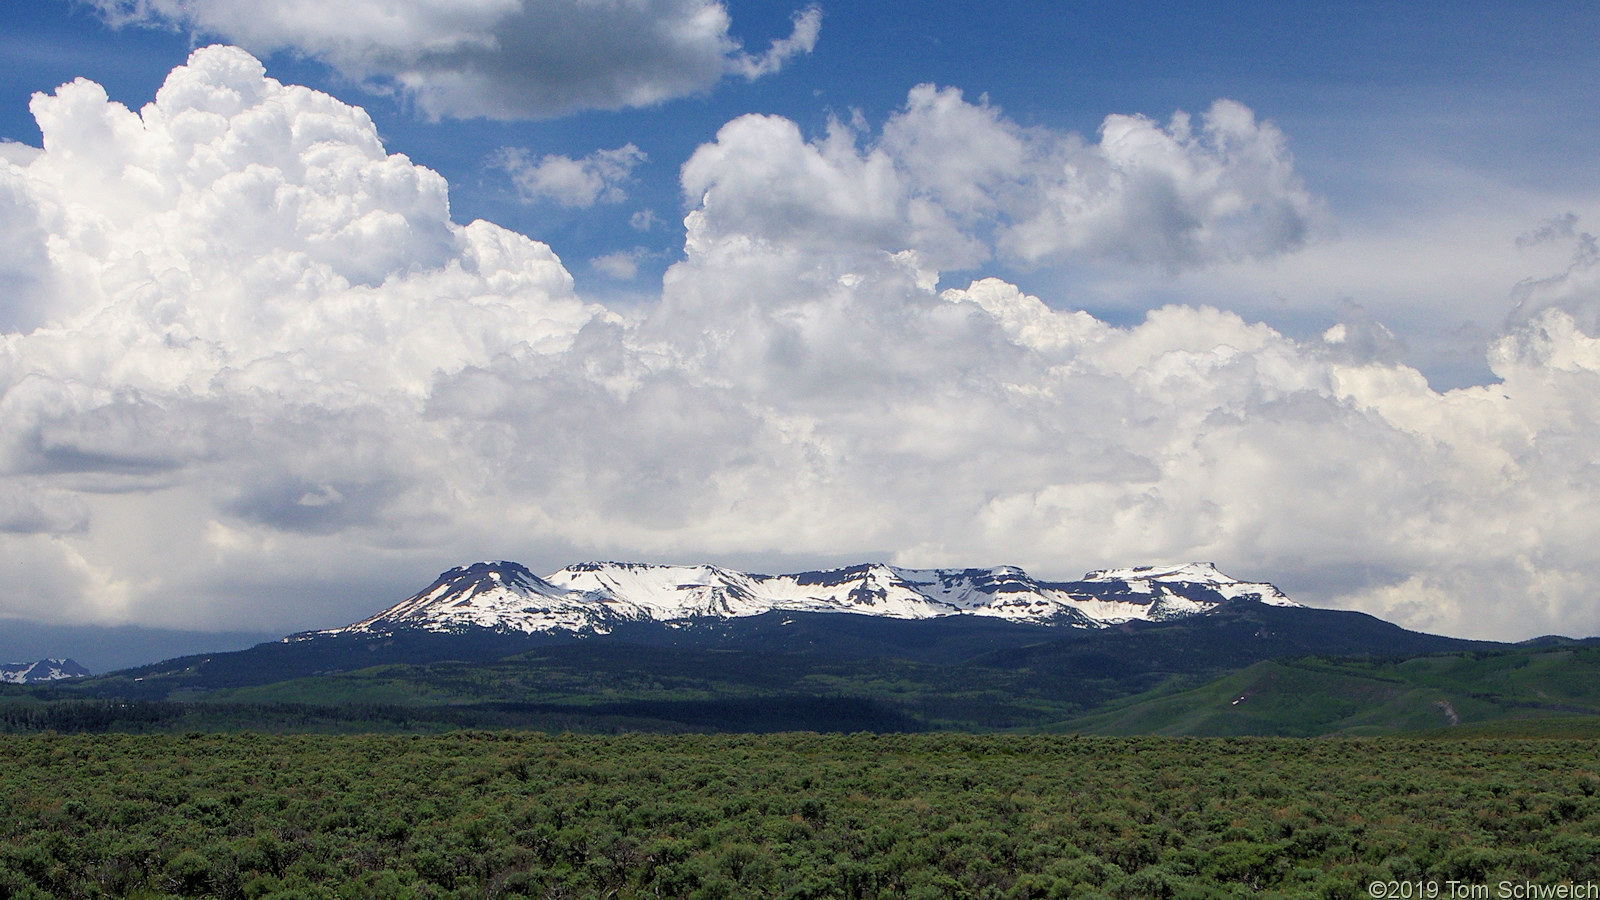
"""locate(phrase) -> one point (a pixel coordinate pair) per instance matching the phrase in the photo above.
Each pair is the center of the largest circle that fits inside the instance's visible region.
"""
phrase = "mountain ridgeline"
(630, 647)
(597, 597)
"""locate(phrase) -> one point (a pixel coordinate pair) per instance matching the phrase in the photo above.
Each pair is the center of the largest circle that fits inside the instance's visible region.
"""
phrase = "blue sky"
(1311, 329)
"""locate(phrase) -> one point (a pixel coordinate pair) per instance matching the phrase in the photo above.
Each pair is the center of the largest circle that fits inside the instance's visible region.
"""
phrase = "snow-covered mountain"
(43, 670)
(594, 597)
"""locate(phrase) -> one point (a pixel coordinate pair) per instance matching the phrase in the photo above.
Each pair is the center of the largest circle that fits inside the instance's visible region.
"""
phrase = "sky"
(303, 303)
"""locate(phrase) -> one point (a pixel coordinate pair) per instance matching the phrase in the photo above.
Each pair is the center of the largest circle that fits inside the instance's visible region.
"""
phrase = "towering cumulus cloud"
(238, 295)
(249, 356)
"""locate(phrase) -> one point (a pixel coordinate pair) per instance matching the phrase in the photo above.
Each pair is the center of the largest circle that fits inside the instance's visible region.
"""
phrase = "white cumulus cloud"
(252, 373)
(958, 182)
(573, 183)
(622, 265)
(237, 282)
(498, 59)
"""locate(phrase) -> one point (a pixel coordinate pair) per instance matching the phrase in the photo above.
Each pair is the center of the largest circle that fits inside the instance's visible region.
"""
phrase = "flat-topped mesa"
(1195, 573)
(594, 597)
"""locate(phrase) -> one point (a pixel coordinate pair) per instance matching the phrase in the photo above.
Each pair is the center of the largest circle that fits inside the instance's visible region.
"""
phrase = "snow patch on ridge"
(1148, 578)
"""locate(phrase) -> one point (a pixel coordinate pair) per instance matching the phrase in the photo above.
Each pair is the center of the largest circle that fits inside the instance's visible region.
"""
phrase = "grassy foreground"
(479, 814)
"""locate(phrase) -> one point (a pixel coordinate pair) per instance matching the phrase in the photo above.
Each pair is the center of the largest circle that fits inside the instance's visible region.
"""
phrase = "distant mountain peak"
(51, 669)
(593, 597)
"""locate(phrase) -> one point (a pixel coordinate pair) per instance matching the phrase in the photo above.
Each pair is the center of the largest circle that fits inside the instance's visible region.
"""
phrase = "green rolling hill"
(1246, 668)
(1519, 690)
